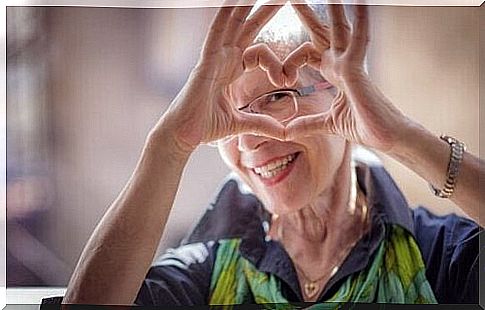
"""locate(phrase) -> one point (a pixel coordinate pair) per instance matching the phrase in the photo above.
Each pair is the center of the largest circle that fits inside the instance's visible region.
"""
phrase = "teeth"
(273, 168)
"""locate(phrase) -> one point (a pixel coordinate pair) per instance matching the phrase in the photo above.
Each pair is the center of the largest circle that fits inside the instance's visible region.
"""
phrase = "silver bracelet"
(457, 150)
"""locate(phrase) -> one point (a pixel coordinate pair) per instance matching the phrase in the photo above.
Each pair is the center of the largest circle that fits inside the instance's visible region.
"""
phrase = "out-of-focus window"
(30, 189)
(85, 86)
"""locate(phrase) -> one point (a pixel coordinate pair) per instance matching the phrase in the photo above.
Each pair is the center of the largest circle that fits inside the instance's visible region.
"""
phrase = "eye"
(276, 97)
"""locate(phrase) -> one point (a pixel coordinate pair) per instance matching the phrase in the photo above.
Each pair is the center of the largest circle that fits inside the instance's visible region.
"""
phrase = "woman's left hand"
(359, 113)
(362, 114)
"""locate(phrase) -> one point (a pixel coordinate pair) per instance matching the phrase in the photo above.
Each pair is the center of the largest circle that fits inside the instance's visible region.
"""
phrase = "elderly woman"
(302, 221)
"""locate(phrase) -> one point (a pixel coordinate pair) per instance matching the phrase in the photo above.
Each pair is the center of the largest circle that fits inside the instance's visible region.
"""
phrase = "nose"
(248, 142)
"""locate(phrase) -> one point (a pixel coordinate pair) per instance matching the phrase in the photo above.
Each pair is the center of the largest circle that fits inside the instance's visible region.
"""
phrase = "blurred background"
(85, 85)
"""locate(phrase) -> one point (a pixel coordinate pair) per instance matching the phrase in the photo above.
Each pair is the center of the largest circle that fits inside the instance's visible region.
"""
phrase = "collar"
(384, 196)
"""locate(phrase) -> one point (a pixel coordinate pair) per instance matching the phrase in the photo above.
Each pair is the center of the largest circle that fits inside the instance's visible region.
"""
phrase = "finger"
(307, 125)
(259, 124)
(236, 21)
(340, 28)
(256, 22)
(319, 32)
(360, 36)
(305, 54)
(217, 28)
(260, 55)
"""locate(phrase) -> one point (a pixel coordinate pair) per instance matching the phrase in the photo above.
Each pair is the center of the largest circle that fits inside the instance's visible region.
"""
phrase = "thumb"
(309, 125)
(259, 124)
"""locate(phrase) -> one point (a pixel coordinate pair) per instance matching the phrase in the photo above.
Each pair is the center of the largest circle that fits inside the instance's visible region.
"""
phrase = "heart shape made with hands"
(280, 73)
(358, 112)
(283, 74)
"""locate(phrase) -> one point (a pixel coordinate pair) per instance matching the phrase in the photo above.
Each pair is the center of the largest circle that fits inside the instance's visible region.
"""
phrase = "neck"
(328, 225)
(319, 236)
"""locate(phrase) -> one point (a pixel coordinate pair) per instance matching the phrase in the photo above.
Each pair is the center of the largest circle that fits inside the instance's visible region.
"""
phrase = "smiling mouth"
(275, 167)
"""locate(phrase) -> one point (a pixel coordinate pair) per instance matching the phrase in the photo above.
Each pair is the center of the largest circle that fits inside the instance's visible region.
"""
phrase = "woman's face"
(285, 176)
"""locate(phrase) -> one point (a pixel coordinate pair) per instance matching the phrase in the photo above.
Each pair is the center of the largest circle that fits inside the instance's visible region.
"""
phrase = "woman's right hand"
(203, 112)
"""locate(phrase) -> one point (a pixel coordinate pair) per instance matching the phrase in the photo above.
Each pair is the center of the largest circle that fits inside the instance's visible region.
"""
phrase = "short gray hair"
(295, 34)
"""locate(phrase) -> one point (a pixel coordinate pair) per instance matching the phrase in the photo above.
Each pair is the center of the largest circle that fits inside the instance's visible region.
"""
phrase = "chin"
(286, 206)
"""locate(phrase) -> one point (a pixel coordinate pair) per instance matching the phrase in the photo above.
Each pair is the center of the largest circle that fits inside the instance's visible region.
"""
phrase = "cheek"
(231, 156)
(325, 156)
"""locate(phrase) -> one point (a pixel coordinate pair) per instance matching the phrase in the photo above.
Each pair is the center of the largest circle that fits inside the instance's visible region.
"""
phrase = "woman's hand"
(360, 112)
(203, 112)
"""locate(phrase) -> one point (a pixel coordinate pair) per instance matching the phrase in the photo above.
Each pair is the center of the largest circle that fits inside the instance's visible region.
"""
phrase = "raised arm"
(121, 249)
(362, 114)
(116, 258)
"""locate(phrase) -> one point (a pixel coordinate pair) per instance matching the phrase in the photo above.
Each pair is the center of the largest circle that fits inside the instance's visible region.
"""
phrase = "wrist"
(355, 76)
(162, 140)
(457, 151)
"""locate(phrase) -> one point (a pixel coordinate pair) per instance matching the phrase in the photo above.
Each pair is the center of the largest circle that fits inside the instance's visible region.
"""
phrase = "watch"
(456, 156)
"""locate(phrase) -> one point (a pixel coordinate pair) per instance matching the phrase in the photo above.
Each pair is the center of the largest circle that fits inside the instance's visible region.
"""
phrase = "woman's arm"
(121, 249)
(119, 253)
(360, 112)
(428, 156)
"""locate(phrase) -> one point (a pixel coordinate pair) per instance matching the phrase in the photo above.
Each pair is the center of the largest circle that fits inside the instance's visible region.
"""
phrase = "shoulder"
(426, 217)
(180, 276)
(186, 255)
(450, 248)
(453, 230)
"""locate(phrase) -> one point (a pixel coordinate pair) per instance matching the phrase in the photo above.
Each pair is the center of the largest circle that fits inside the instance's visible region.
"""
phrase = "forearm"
(121, 249)
(428, 156)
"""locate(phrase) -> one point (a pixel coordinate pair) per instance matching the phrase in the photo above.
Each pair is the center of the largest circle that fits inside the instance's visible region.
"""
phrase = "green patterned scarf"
(397, 275)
